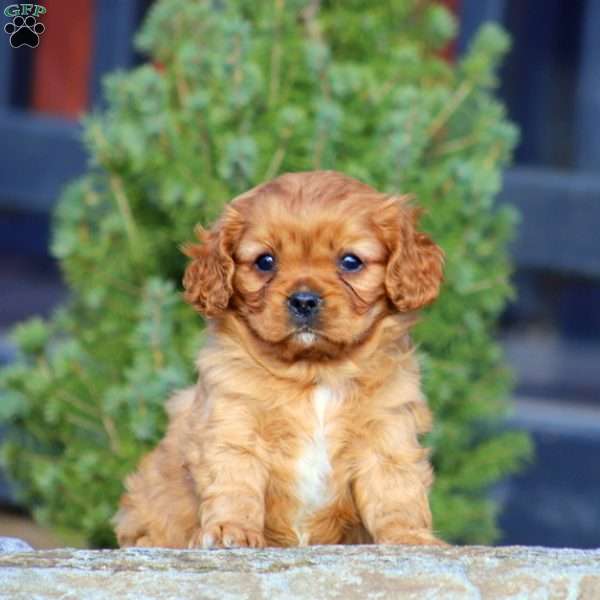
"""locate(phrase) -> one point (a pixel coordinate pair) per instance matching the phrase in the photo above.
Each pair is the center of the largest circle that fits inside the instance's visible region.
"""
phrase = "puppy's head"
(310, 262)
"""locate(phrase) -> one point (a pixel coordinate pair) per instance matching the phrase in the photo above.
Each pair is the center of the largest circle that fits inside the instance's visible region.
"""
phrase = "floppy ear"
(208, 277)
(414, 270)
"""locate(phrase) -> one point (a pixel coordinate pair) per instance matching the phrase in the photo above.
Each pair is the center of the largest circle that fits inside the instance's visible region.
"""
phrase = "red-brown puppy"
(303, 427)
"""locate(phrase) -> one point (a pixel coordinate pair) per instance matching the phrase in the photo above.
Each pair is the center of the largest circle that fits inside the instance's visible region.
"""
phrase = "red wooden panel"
(449, 52)
(62, 61)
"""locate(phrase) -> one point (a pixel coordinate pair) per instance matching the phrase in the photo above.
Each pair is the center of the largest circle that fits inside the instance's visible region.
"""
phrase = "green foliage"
(234, 93)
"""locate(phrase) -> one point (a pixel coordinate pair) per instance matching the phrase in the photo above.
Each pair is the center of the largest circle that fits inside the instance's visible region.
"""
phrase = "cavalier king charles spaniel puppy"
(304, 425)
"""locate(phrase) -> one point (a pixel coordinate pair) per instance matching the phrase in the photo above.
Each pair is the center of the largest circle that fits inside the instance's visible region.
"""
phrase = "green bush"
(234, 93)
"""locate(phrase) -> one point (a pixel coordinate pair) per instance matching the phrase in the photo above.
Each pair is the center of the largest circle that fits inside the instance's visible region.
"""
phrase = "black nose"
(304, 306)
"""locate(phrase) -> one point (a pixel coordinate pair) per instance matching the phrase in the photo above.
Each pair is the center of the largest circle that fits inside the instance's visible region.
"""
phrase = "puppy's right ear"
(208, 278)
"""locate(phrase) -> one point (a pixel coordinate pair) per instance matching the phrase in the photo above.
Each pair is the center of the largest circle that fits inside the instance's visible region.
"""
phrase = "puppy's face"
(311, 261)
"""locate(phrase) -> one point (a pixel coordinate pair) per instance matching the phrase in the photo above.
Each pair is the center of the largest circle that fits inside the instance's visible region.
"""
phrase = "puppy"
(303, 427)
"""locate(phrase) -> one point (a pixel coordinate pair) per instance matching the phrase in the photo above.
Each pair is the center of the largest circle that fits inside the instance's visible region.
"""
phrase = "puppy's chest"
(315, 483)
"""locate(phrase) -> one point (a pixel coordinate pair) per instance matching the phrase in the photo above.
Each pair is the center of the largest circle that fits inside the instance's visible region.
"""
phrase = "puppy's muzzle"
(304, 307)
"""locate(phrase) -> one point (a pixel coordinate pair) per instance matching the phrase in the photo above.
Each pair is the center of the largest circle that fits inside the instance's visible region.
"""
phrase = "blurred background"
(550, 83)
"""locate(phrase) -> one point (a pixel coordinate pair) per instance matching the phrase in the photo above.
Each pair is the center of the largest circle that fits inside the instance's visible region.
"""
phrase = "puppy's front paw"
(417, 537)
(226, 535)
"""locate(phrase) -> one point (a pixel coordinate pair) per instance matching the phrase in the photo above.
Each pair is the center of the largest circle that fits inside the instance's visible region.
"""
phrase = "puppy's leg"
(232, 480)
(393, 504)
(391, 485)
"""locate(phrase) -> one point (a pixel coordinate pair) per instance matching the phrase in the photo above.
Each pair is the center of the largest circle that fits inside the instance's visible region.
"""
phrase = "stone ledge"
(347, 572)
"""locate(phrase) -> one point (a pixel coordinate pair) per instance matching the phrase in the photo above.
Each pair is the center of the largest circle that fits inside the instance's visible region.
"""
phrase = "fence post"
(587, 121)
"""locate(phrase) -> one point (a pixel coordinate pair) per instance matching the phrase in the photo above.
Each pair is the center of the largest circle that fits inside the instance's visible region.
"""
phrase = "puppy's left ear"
(414, 270)
(208, 278)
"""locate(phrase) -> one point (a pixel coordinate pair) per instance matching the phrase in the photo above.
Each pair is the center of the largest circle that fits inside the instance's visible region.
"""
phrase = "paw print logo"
(24, 32)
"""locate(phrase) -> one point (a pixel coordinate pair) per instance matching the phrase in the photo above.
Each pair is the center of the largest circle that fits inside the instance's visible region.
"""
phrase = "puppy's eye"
(265, 263)
(350, 263)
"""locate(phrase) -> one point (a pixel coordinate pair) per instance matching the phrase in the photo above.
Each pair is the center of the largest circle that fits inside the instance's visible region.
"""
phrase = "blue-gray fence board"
(560, 219)
(6, 62)
(115, 26)
(587, 141)
(39, 155)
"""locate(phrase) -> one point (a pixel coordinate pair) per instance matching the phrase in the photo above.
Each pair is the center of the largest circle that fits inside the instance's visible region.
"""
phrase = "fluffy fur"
(297, 435)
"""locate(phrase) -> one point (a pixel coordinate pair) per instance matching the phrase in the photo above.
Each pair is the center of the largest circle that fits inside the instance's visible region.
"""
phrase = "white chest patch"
(314, 466)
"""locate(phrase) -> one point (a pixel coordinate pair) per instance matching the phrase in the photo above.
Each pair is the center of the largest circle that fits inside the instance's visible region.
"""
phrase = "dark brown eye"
(350, 263)
(265, 263)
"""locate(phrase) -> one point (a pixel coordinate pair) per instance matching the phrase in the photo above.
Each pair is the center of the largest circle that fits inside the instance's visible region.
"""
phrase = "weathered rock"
(365, 572)
(11, 544)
